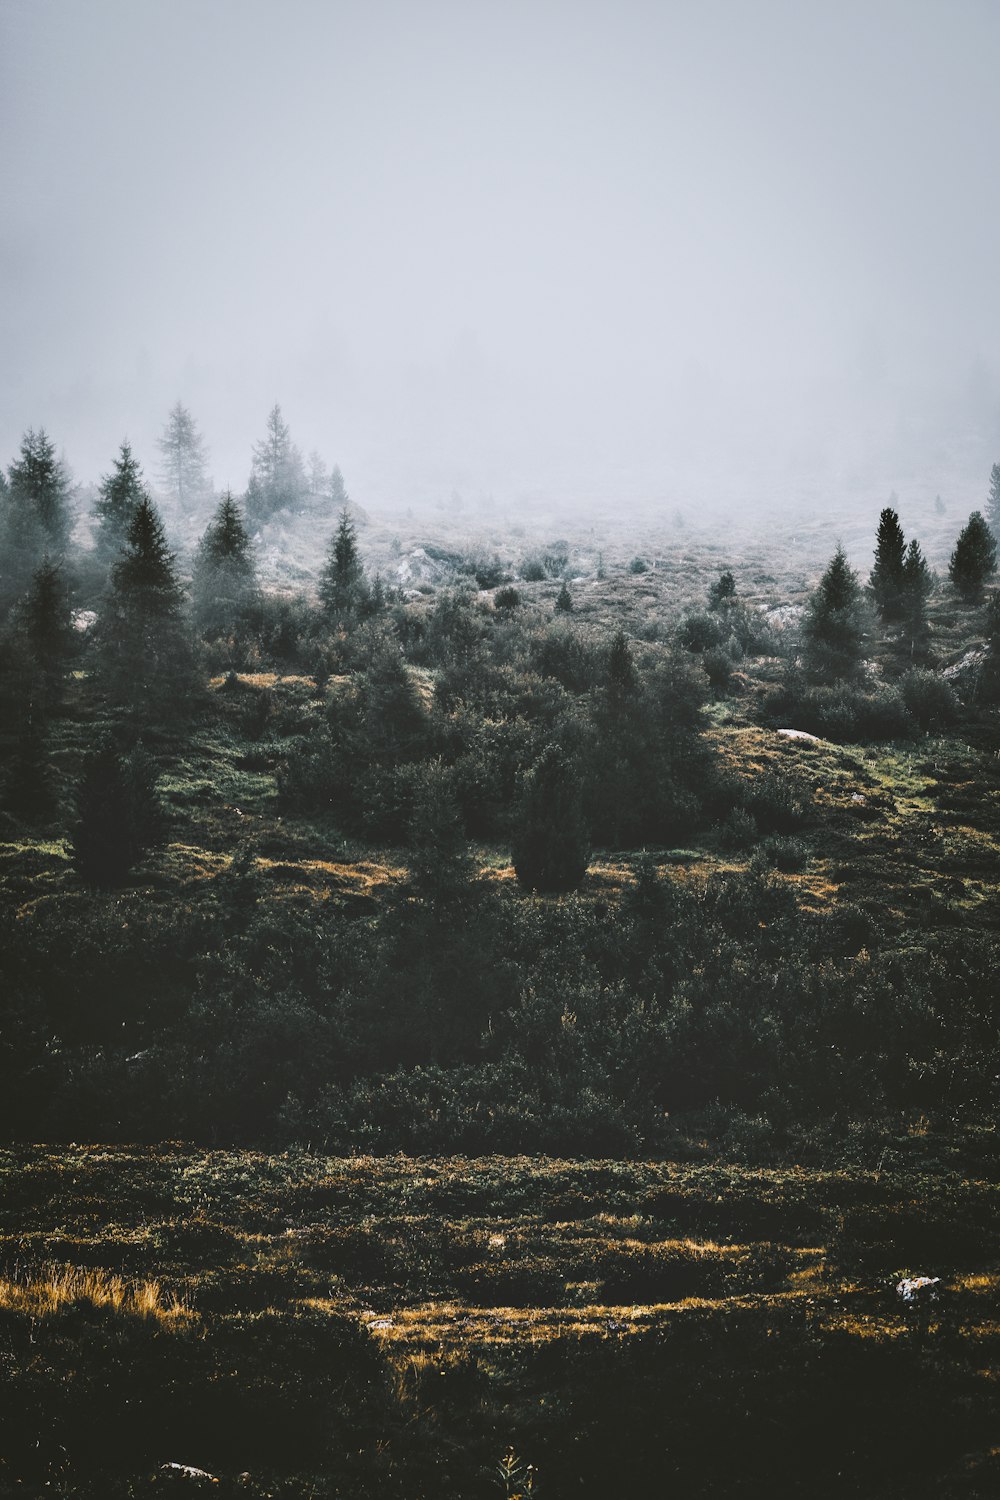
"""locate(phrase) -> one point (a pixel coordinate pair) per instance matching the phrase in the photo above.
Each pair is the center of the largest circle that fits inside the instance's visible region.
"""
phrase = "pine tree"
(551, 846)
(974, 559)
(120, 493)
(144, 653)
(916, 588)
(28, 789)
(338, 492)
(833, 628)
(564, 600)
(37, 477)
(621, 681)
(224, 586)
(46, 619)
(119, 815)
(722, 593)
(277, 476)
(183, 458)
(343, 588)
(993, 502)
(34, 514)
(886, 579)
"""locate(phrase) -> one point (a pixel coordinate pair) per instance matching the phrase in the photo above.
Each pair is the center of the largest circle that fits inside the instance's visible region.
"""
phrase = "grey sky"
(502, 246)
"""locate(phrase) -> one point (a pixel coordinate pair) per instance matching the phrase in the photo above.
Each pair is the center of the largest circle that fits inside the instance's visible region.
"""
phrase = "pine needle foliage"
(974, 560)
(551, 843)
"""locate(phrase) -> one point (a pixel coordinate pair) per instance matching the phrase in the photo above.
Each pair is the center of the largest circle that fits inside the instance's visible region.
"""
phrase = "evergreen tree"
(183, 458)
(993, 502)
(342, 586)
(440, 866)
(551, 846)
(46, 619)
(621, 681)
(723, 592)
(34, 514)
(916, 588)
(38, 478)
(120, 493)
(144, 654)
(224, 585)
(28, 787)
(833, 628)
(886, 579)
(564, 600)
(277, 477)
(974, 559)
(339, 497)
(119, 815)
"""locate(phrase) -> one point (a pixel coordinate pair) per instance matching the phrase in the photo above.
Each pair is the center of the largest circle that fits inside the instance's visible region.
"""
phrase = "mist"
(631, 253)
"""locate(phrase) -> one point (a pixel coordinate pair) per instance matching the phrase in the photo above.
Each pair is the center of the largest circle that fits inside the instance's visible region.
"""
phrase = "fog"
(616, 252)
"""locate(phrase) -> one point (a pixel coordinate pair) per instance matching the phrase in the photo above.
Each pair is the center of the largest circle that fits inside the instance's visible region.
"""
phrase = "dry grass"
(52, 1289)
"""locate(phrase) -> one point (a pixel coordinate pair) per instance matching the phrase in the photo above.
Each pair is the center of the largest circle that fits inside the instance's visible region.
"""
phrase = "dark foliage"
(119, 816)
(550, 845)
(973, 562)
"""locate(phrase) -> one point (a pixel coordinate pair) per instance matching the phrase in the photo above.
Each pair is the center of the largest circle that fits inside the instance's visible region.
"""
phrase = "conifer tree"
(974, 559)
(833, 628)
(917, 587)
(551, 846)
(38, 478)
(46, 619)
(120, 493)
(886, 579)
(723, 592)
(993, 502)
(564, 600)
(621, 681)
(342, 585)
(28, 786)
(119, 815)
(183, 458)
(277, 475)
(339, 497)
(224, 586)
(34, 514)
(144, 653)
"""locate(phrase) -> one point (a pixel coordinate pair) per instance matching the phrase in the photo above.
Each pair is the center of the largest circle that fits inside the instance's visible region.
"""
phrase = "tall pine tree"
(917, 587)
(224, 587)
(343, 589)
(119, 496)
(993, 502)
(277, 474)
(144, 652)
(833, 628)
(886, 579)
(551, 844)
(183, 458)
(974, 560)
(34, 513)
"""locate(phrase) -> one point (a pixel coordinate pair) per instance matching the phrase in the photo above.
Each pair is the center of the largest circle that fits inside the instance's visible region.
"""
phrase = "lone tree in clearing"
(551, 842)
(974, 559)
(342, 586)
(833, 629)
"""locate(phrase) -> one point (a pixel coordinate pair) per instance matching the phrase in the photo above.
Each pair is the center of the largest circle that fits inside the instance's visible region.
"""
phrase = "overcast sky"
(502, 245)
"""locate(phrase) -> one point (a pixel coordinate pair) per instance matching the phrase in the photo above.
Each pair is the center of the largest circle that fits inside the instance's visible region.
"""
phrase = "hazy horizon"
(632, 251)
